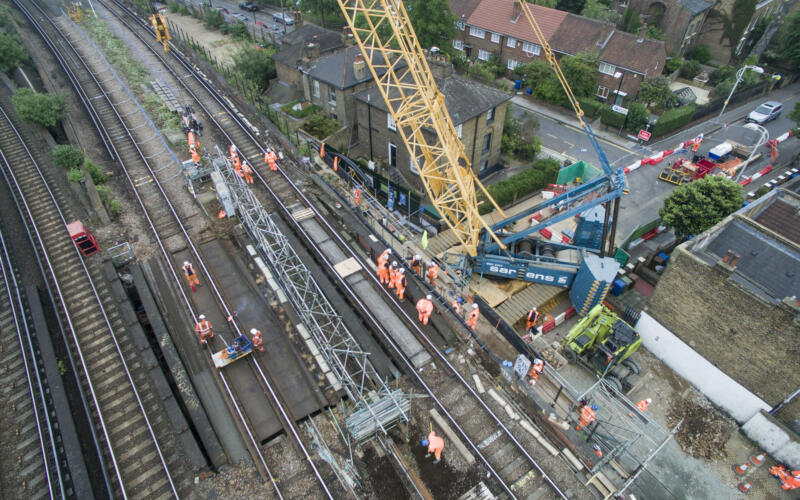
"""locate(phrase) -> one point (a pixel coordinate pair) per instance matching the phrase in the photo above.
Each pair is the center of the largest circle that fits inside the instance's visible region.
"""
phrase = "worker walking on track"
(587, 416)
(472, 320)
(204, 329)
(191, 276)
(531, 320)
(357, 195)
(433, 272)
(457, 305)
(435, 445)
(416, 264)
(400, 283)
(383, 271)
(425, 308)
(195, 157)
(247, 173)
(271, 159)
(258, 342)
(392, 273)
(536, 368)
(642, 406)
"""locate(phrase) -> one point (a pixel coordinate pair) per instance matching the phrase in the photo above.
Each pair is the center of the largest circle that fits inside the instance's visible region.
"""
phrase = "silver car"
(764, 113)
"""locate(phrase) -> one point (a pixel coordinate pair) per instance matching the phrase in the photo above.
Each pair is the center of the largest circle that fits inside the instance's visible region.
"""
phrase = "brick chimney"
(359, 68)
(312, 49)
(730, 260)
(516, 11)
(440, 64)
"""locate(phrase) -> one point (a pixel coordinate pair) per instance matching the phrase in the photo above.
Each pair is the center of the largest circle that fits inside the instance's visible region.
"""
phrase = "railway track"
(122, 129)
(504, 449)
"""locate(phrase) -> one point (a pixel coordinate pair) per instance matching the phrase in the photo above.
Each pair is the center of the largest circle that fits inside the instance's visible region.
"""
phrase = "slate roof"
(337, 69)
(783, 218)
(696, 6)
(495, 16)
(293, 43)
(578, 34)
(625, 50)
(464, 98)
(462, 9)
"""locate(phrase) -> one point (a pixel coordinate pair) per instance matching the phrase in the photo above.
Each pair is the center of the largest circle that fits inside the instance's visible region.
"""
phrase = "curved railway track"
(517, 469)
(121, 129)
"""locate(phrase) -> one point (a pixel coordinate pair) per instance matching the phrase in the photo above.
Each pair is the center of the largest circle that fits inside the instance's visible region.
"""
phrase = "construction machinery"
(390, 48)
(604, 343)
(162, 32)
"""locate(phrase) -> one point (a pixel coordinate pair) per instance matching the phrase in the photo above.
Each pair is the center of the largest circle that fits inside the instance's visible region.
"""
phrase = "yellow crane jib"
(162, 33)
(392, 53)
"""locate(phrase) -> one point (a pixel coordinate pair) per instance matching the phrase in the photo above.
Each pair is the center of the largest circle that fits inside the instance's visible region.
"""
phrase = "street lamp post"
(739, 77)
(619, 76)
(761, 141)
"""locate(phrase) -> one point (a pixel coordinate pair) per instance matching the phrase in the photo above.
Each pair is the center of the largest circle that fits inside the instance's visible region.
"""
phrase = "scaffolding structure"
(378, 407)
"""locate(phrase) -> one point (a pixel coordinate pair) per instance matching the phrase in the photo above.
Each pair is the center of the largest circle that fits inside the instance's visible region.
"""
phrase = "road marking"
(551, 135)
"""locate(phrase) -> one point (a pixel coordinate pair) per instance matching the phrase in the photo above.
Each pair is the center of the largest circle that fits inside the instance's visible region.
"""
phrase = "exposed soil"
(704, 430)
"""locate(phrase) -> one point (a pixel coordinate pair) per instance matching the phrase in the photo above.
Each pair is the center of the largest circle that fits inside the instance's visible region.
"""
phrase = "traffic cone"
(742, 469)
(221, 214)
(758, 459)
(745, 487)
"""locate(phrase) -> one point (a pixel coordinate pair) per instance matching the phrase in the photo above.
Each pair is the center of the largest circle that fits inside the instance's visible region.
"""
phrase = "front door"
(392, 155)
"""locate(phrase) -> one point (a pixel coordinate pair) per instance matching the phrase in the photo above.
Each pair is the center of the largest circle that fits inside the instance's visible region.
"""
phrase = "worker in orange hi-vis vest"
(232, 150)
(204, 329)
(435, 445)
(247, 173)
(322, 150)
(357, 195)
(191, 276)
(238, 168)
(531, 320)
(425, 308)
(457, 305)
(383, 271)
(258, 341)
(335, 163)
(192, 140)
(384, 255)
(271, 158)
(416, 264)
(642, 406)
(400, 283)
(536, 368)
(472, 320)
(433, 272)
(195, 157)
(587, 416)
(392, 273)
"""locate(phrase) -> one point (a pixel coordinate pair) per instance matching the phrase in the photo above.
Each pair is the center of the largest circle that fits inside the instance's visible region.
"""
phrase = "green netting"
(580, 170)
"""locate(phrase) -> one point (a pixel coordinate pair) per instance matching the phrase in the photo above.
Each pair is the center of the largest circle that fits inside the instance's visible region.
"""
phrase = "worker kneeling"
(425, 308)
(435, 445)
(587, 417)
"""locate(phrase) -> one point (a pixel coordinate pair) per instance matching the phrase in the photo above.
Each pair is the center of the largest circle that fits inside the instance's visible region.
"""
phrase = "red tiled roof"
(625, 50)
(577, 34)
(463, 8)
(495, 16)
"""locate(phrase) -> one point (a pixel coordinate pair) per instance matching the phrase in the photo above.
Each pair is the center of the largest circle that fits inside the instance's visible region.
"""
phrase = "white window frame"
(315, 88)
(511, 42)
(412, 165)
(477, 32)
(484, 147)
(602, 92)
(458, 129)
(389, 159)
(607, 69)
(390, 123)
(531, 49)
(490, 115)
(484, 55)
(458, 44)
(332, 96)
(512, 64)
(461, 25)
(495, 37)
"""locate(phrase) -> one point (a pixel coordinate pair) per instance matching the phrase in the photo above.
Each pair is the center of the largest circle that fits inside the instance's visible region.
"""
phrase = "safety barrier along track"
(285, 193)
(120, 134)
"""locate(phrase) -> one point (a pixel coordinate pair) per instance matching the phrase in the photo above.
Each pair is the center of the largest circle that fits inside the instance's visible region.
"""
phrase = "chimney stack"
(516, 11)
(312, 49)
(731, 259)
(439, 63)
(359, 68)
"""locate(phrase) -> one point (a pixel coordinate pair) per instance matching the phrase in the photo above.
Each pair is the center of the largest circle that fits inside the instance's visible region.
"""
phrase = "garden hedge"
(673, 119)
(542, 172)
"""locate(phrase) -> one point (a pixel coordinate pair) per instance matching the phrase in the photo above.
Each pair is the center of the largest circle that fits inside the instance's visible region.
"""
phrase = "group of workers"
(789, 479)
(242, 169)
(205, 331)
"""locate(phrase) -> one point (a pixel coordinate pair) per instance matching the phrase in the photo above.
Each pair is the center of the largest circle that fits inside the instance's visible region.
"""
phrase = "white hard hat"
(394, 263)
(418, 256)
(269, 150)
(431, 263)
(429, 296)
(202, 316)
(186, 263)
(388, 250)
(649, 400)
(253, 331)
(474, 306)
(534, 308)
(401, 270)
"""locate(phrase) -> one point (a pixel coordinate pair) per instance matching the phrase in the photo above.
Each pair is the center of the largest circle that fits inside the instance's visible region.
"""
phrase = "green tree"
(519, 136)
(656, 91)
(693, 208)
(701, 53)
(630, 21)
(787, 42)
(574, 6)
(544, 3)
(596, 9)
(637, 116)
(44, 109)
(256, 66)
(690, 69)
(320, 126)
(581, 73)
(67, 156)
(795, 116)
(722, 73)
(481, 71)
(214, 19)
(433, 22)
(654, 33)
(14, 54)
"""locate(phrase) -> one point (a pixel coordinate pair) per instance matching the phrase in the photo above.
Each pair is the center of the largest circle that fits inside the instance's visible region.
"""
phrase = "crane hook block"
(162, 33)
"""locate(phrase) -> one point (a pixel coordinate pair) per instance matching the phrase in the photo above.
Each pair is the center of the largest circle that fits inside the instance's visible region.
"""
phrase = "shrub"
(701, 53)
(44, 109)
(690, 69)
(13, 52)
(611, 118)
(673, 119)
(308, 110)
(590, 107)
(673, 64)
(75, 175)
(541, 173)
(637, 116)
(481, 71)
(67, 156)
(95, 171)
(214, 20)
(320, 126)
(721, 74)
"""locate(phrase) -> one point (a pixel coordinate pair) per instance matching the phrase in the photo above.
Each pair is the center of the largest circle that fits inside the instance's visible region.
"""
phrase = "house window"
(490, 116)
(484, 165)
(476, 32)
(412, 165)
(392, 155)
(461, 25)
(607, 69)
(332, 96)
(531, 49)
(602, 92)
(390, 123)
(483, 55)
(511, 42)
(458, 44)
(495, 37)
(487, 143)
(458, 130)
(512, 64)
(316, 88)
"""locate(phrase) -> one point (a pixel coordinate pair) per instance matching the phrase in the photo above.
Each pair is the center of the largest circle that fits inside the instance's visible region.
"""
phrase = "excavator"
(398, 64)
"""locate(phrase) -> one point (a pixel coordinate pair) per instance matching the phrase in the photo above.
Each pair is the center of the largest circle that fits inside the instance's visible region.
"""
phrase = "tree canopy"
(794, 115)
(786, 42)
(13, 52)
(693, 208)
(255, 65)
(596, 9)
(656, 91)
(433, 22)
(44, 109)
(580, 72)
(67, 156)
(574, 6)
(630, 21)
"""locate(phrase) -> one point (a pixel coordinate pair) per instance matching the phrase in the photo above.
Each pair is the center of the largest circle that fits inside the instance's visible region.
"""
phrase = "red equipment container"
(83, 239)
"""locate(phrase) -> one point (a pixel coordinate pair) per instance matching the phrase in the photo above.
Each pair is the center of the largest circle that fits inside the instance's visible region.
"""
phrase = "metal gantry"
(379, 407)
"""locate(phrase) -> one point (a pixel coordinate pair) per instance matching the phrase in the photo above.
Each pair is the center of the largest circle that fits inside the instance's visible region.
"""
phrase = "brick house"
(681, 21)
(731, 293)
(331, 81)
(497, 26)
(300, 46)
(477, 112)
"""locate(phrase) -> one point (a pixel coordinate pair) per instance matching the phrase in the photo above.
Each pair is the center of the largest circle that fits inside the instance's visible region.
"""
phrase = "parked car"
(764, 113)
(248, 6)
(240, 17)
(283, 18)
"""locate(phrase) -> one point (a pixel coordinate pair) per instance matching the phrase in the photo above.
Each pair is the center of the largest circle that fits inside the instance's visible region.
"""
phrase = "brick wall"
(343, 108)
(289, 75)
(754, 342)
